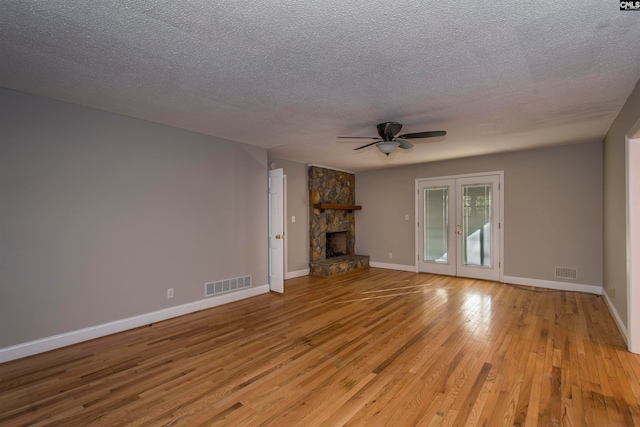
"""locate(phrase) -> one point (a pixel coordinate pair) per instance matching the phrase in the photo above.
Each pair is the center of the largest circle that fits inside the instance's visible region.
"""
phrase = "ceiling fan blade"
(357, 137)
(431, 134)
(404, 143)
(388, 129)
(367, 145)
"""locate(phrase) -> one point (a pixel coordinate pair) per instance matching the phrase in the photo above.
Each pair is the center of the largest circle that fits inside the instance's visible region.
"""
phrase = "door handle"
(459, 233)
(278, 237)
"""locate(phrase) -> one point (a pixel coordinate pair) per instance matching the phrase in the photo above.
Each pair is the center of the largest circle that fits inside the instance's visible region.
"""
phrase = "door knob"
(459, 233)
(278, 236)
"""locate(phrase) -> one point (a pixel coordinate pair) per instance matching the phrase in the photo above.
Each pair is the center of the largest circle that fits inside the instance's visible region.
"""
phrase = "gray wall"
(297, 237)
(553, 210)
(101, 213)
(615, 188)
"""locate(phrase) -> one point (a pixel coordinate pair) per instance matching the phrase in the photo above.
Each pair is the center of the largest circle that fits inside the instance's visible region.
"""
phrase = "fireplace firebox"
(336, 244)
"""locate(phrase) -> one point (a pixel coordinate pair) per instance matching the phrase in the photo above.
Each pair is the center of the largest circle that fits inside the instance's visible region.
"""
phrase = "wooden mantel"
(323, 206)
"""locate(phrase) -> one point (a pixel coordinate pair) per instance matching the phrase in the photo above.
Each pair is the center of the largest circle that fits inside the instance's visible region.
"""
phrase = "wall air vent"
(566, 273)
(226, 285)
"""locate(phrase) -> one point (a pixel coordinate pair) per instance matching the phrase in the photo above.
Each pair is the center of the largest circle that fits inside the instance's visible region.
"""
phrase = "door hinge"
(499, 226)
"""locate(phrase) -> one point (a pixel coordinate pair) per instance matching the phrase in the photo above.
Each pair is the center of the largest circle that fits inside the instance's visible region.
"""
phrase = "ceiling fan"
(387, 142)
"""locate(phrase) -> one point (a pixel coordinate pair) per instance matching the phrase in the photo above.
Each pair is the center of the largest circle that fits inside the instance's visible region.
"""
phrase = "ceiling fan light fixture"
(387, 147)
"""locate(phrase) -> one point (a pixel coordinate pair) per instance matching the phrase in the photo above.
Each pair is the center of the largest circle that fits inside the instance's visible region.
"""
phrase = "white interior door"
(276, 230)
(459, 226)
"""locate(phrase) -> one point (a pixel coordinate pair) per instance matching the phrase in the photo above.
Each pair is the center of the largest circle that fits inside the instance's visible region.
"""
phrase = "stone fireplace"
(332, 231)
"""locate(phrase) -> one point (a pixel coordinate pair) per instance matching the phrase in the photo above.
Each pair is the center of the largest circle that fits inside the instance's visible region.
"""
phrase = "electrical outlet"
(170, 293)
(293, 218)
(390, 255)
(612, 292)
(406, 217)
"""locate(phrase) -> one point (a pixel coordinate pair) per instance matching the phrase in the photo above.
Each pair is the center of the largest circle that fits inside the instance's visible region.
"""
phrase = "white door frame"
(284, 224)
(633, 237)
(501, 229)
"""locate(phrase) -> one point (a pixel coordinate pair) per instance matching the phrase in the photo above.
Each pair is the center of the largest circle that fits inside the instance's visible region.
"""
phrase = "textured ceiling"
(292, 75)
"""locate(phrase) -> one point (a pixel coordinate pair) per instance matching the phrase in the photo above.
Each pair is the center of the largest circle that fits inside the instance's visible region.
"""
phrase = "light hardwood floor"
(370, 348)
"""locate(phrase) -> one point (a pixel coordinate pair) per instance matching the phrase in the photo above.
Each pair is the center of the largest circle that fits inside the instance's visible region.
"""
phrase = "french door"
(459, 226)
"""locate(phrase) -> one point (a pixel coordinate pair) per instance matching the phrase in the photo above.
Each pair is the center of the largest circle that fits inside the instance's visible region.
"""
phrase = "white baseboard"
(62, 340)
(294, 274)
(551, 284)
(401, 267)
(617, 318)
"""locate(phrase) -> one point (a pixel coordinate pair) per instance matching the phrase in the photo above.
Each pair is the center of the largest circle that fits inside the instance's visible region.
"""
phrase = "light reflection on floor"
(410, 289)
(476, 309)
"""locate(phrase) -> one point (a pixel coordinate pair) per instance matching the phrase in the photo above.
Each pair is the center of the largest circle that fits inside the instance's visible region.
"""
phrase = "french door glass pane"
(436, 214)
(476, 225)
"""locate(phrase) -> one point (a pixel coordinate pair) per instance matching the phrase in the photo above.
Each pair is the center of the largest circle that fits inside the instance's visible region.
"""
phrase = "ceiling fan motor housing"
(388, 130)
